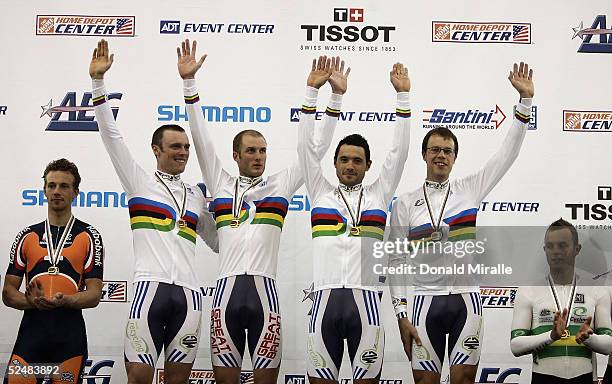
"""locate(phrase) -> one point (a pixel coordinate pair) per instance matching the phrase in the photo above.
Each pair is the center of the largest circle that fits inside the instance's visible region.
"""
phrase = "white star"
(46, 109)
(577, 30)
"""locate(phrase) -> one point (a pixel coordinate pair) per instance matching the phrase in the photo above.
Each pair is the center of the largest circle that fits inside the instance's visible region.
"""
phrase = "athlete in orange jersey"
(61, 259)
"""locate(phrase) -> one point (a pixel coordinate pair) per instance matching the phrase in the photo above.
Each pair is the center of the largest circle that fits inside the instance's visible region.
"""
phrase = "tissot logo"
(354, 15)
(591, 212)
(353, 29)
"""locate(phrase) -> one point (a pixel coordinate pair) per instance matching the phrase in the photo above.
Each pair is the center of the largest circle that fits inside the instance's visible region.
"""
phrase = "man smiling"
(445, 210)
(165, 215)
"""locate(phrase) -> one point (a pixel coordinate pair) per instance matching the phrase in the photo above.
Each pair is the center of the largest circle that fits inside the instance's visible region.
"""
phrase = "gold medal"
(566, 334)
(235, 223)
(181, 223)
(355, 231)
(53, 270)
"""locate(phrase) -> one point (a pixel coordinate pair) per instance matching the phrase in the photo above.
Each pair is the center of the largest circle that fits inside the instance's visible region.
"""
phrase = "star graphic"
(577, 30)
(46, 108)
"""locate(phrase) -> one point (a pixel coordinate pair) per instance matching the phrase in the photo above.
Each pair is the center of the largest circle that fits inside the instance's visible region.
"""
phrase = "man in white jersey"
(346, 218)
(443, 211)
(165, 214)
(553, 320)
(249, 211)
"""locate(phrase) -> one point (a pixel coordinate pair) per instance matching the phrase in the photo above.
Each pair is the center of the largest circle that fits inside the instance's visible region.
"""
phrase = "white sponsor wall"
(259, 57)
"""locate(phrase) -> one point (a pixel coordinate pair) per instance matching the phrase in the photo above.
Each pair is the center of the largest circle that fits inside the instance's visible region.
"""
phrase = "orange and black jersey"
(82, 257)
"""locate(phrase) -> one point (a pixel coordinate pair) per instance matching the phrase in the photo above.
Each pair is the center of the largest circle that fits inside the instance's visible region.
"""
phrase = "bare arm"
(12, 296)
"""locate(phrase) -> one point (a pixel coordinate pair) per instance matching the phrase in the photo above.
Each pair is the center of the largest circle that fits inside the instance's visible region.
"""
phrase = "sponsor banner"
(593, 214)
(97, 372)
(80, 25)
(498, 297)
(87, 199)
(350, 30)
(205, 376)
(485, 119)
(597, 38)
(499, 375)
(114, 291)
(510, 206)
(486, 32)
(236, 114)
(364, 116)
(587, 121)
(68, 116)
(176, 27)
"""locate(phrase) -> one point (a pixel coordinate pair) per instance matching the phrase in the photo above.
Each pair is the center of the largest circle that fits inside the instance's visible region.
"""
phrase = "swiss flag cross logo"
(356, 15)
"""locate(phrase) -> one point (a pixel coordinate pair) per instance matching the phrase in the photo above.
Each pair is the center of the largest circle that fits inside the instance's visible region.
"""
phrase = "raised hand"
(408, 334)
(101, 61)
(338, 78)
(559, 324)
(521, 78)
(187, 63)
(320, 72)
(399, 78)
(585, 331)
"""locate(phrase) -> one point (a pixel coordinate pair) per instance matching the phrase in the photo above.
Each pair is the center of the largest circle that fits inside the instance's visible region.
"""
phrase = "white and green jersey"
(532, 323)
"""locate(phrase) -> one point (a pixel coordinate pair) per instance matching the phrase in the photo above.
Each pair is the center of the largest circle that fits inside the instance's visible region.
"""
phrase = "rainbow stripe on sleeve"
(192, 99)
(520, 117)
(403, 112)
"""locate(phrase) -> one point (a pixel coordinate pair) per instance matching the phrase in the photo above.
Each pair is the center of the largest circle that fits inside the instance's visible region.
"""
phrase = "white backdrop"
(44, 62)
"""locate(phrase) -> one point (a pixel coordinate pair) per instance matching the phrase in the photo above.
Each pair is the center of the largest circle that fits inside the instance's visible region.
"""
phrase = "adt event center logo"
(587, 121)
(488, 32)
(79, 25)
(174, 27)
(77, 118)
(589, 36)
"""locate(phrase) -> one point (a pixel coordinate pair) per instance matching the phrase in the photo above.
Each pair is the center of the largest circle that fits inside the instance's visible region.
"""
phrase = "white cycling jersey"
(163, 251)
(410, 218)
(342, 258)
(249, 230)
(532, 322)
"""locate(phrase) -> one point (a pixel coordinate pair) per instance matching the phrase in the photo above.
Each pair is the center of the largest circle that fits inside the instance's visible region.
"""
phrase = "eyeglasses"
(437, 150)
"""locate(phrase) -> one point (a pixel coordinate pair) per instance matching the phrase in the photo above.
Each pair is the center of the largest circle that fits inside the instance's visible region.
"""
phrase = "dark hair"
(560, 224)
(356, 140)
(64, 166)
(442, 132)
(159, 133)
(238, 138)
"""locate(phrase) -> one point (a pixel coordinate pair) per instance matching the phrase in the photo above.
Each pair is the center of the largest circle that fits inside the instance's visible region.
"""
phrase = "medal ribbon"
(354, 217)
(436, 223)
(180, 208)
(237, 203)
(555, 295)
(54, 253)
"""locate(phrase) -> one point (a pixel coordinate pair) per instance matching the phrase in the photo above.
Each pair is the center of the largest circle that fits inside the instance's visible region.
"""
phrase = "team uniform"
(249, 214)
(445, 303)
(345, 222)
(54, 336)
(564, 360)
(165, 216)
